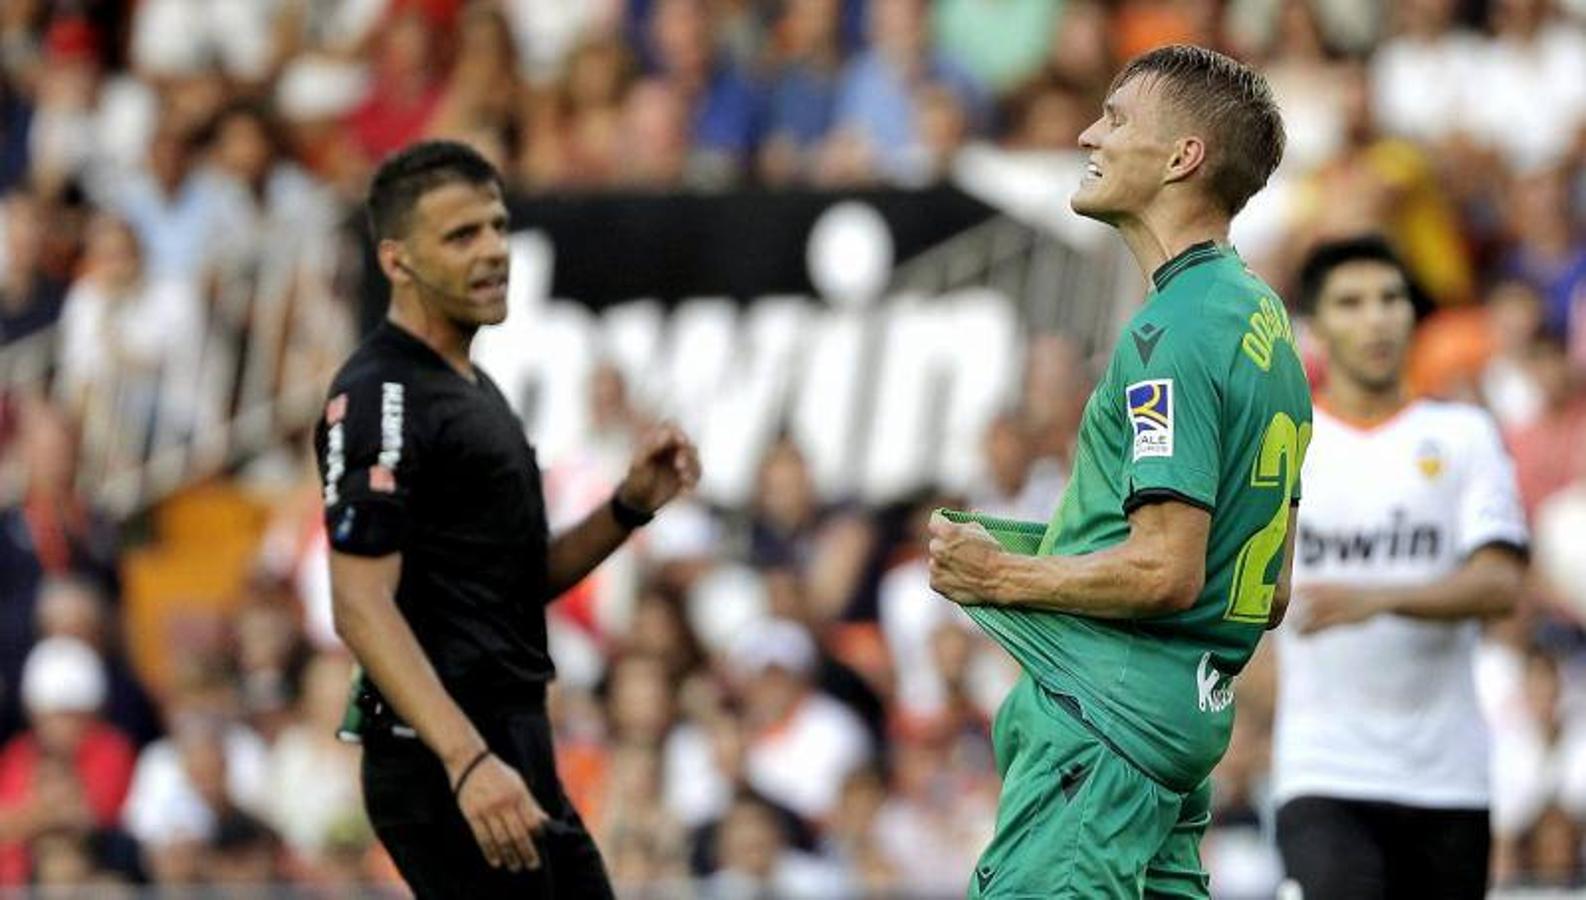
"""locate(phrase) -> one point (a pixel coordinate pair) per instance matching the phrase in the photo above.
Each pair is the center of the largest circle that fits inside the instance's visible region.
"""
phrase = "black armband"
(629, 517)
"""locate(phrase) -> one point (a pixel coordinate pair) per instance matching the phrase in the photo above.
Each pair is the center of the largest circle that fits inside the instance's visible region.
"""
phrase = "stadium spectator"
(178, 37)
(30, 297)
(571, 134)
(754, 860)
(806, 62)
(1560, 518)
(548, 32)
(63, 688)
(1017, 484)
(724, 109)
(405, 89)
(175, 211)
(76, 851)
(272, 656)
(824, 548)
(1310, 86)
(1508, 386)
(1080, 52)
(1046, 114)
(999, 43)
(801, 744)
(74, 607)
(131, 340)
(1560, 423)
(1375, 184)
(50, 530)
(482, 93)
(654, 138)
(1421, 73)
(878, 103)
(266, 203)
(1548, 248)
(940, 811)
(1527, 88)
(185, 784)
(312, 776)
(61, 132)
(243, 852)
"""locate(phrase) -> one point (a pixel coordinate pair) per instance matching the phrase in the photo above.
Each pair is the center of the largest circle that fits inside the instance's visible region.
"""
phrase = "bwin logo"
(1399, 540)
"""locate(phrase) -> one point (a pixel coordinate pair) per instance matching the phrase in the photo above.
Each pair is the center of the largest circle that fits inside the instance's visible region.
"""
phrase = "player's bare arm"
(1485, 587)
(1281, 593)
(665, 465)
(493, 797)
(1160, 568)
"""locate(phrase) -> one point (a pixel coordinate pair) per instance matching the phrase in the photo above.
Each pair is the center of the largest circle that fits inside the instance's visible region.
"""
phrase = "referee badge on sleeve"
(1151, 414)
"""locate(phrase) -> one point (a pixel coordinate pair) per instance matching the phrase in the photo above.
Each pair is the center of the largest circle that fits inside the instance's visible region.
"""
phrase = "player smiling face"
(456, 251)
(1364, 317)
(1185, 133)
(1130, 151)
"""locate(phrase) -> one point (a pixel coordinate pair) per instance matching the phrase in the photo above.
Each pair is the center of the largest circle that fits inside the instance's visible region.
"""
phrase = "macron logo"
(1215, 690)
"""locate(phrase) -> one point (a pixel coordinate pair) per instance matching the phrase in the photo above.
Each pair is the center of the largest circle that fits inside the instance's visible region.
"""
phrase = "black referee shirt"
(417, 460)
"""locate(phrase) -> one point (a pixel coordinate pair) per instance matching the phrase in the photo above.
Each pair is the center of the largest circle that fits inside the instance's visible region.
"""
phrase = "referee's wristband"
(629, 517)
(457, 789)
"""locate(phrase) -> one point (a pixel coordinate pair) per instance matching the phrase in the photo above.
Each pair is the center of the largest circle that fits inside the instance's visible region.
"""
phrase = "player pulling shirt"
(1205, 401)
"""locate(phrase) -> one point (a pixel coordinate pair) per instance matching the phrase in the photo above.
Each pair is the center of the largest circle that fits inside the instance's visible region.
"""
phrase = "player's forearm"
(1486, 586)
(373, 628)
(576, 552)
(1123, 582)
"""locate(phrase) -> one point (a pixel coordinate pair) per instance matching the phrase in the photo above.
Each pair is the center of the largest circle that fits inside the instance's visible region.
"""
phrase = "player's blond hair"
(1232, 102)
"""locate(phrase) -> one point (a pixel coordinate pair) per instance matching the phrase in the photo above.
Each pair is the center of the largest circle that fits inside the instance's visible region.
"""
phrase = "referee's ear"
(393, 261)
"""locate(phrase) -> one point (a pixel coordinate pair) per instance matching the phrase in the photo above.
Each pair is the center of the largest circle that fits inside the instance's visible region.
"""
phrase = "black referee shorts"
(1365, 850)
(411, 806)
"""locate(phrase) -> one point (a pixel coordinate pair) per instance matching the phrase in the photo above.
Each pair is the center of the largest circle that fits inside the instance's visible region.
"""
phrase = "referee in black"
(441, 560)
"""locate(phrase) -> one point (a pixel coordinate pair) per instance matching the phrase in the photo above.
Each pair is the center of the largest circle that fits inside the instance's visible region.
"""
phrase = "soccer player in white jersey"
(1412, 534)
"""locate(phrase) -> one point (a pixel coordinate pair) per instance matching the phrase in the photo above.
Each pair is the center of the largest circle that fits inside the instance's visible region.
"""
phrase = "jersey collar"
(1191, 256)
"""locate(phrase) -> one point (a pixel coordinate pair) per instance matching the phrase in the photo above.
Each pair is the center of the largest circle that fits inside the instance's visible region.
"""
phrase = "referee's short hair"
(1327, 256)
(411, 173)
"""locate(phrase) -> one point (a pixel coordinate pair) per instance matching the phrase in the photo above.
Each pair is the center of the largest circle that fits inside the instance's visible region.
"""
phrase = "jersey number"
(1277, 465)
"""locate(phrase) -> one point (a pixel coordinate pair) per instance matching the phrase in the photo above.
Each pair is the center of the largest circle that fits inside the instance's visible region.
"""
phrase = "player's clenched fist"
(664, 465)
(964, 561)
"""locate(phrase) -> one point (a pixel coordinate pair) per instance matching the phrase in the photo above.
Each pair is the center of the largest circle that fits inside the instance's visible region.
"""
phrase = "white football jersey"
(1386, 709)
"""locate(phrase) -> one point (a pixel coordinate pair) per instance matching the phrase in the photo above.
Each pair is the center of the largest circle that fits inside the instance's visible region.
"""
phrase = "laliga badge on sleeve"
(1151, 415)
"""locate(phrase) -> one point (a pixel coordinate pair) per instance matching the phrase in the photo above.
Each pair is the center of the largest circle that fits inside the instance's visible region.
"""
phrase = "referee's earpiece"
(420, 280)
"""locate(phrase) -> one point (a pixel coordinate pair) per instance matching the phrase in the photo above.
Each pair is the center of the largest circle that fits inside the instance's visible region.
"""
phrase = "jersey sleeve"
(368, 459)
(1489, 501)
(1173, 401)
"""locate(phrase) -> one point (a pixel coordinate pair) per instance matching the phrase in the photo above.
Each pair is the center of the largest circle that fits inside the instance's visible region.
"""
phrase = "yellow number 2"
(1277, 465)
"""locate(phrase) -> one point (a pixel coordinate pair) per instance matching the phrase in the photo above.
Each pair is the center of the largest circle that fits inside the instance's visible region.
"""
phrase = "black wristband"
(457, 790)
(629, 517)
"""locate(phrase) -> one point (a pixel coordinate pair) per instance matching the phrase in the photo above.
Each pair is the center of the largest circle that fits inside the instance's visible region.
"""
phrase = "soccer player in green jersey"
(1171, 550)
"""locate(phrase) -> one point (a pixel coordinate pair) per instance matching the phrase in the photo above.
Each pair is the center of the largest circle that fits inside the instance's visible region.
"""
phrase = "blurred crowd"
(767, 698)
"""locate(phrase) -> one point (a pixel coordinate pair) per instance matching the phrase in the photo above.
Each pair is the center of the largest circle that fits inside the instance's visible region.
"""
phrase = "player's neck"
(439, 333)
(1157, 236)
(1361, 404)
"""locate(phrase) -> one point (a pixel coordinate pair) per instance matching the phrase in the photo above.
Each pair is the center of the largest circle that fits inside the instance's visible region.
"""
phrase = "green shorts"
(1077, 820)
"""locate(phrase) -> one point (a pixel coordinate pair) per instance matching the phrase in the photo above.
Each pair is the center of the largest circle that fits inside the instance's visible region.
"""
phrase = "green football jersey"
(1205, 401)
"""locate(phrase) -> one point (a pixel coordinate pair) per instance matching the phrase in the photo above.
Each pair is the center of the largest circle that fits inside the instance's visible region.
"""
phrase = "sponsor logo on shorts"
(1216, 690)
(1151, 412)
